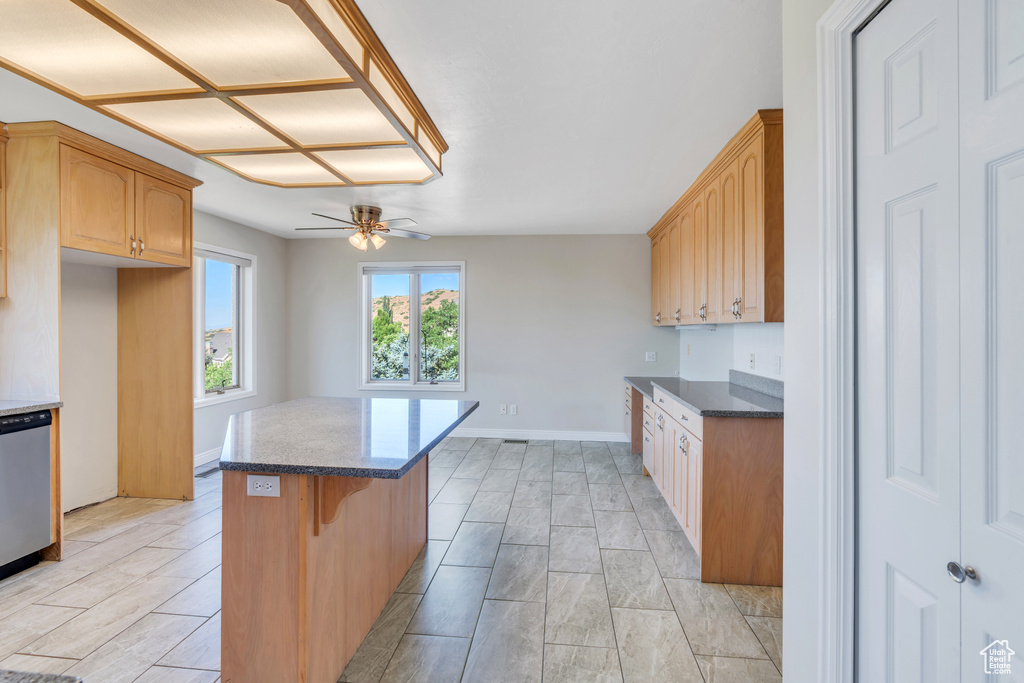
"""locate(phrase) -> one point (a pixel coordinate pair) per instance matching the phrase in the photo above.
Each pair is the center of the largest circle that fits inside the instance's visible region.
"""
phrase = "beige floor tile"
(508, 644)
(164, 674)
(727, 670)
(35, 586)
(201, 650)
(576, 664)
(201, 599)
(129, 654)
(711, 621)
(195, 563)
(106, 553)
(40, 665)
(377, 648)
(72, 548)
(652, 647)
(769, 632)
(31, 623)
(193, 533)
(757, 601)
(427, 658)
(100, 585)
(89, 630)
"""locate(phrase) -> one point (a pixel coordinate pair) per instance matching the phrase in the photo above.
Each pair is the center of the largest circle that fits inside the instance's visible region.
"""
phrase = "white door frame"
(836, 564)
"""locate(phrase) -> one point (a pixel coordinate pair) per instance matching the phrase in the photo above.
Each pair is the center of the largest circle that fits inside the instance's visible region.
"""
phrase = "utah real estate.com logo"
(997, 657)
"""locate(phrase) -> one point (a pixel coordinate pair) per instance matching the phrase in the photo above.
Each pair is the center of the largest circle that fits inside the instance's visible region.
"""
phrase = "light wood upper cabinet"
(682, 255)
(97, 211)
(656, 280)
(163, 222)
(732, 263)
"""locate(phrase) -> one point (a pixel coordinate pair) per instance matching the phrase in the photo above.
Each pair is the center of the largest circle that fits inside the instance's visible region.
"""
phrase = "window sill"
(226, 397)
(372, 386)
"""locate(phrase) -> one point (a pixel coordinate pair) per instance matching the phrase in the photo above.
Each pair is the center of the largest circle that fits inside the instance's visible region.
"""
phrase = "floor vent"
(515, 441)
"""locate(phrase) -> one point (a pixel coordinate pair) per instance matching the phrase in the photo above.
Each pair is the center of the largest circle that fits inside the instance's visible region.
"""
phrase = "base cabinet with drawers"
(722, 478)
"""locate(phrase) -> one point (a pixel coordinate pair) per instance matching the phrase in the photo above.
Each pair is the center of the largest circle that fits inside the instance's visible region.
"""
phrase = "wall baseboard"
(552, 435)
(206, 456)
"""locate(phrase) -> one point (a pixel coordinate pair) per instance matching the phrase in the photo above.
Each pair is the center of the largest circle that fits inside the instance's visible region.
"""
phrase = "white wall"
(552, 325)
(88, 370)
(803, 311)
(709, 355)
(271, 335)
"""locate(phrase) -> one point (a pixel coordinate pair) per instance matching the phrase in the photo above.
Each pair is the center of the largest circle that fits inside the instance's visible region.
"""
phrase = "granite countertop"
(381, 438)
(713, 399)
(9, 407)
(21, 677)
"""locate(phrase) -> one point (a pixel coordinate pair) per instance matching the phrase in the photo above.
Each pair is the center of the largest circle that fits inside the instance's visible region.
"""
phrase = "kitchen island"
(325, 510)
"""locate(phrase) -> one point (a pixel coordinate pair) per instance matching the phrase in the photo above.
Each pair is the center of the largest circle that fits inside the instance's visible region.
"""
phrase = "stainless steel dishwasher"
(24, 489)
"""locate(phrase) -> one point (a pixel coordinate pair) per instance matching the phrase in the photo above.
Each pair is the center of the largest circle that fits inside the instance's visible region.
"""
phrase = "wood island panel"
(300, 592)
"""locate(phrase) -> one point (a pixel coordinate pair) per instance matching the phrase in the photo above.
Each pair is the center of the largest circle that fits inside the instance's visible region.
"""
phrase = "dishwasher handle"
(19, 423)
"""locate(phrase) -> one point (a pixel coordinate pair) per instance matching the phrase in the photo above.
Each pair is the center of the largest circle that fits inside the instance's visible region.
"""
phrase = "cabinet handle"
(132, 252)
(683, 418)
(142, 245)
(657, 318)
(678, 310)
(661, 400)
(739, 313)
(647, 439)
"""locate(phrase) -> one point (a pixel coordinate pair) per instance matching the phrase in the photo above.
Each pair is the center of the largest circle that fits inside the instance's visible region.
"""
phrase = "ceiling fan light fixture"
(358, 241)
(378, 241)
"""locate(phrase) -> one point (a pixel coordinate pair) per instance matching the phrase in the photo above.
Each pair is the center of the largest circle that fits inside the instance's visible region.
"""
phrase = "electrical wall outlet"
(751, 361)
(268, 485)
(503, 409)
(514, 409)
(652, 356)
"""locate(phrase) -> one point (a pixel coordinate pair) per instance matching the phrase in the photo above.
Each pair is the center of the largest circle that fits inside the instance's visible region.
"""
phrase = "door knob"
(960, 574)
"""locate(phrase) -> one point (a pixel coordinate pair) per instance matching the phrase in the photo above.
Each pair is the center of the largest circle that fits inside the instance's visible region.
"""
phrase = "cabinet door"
(750, 247)
(656, 280)
(660, 425)
(648, 451)
(713, 253)
(698, 276)
(97, 204)
(683, 312)
(679, 474)
(693, 492)
(669, 275)
(163, 218)
(729, 189)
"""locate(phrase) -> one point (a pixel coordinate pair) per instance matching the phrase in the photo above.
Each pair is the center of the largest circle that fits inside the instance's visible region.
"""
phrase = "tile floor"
(553, 561)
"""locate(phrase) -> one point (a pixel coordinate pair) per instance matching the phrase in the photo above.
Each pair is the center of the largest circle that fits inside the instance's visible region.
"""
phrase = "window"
(413, 326)
(223, 324)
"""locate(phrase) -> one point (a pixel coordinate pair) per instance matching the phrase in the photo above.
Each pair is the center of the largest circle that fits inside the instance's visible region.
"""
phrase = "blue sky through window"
(398, 285)
(219, 297)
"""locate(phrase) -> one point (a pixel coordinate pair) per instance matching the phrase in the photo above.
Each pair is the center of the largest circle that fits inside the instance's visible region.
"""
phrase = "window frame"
(414, 383)
(246, 322)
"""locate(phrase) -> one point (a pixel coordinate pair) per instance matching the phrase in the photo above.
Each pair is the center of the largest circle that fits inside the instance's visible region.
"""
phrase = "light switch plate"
(652, 356)
(268, 485)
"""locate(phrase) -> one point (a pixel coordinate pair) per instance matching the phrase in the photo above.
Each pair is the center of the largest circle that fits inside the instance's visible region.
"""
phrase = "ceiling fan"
(366, 221)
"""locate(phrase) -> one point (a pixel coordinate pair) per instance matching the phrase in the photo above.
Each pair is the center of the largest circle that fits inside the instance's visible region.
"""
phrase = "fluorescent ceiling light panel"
(365, 166)
(324, 117)
(57, 41)
(229, 80)
(233, 43)
(279, 169)
(202, 125)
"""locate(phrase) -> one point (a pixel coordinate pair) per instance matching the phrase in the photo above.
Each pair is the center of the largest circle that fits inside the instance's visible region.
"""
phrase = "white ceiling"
(563, 116)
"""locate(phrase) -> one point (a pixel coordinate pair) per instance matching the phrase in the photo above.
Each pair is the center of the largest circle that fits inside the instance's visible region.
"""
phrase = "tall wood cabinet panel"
(733, 261)
(676, 269)
(97, 211)
(70, 190)
(656, 276)
(3, 211)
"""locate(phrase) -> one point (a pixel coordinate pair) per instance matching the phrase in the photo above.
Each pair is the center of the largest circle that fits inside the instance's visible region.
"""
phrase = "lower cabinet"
(722, 478)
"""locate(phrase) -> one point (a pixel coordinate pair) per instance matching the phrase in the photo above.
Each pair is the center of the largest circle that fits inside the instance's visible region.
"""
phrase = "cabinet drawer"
(649, 408)
(680, 413)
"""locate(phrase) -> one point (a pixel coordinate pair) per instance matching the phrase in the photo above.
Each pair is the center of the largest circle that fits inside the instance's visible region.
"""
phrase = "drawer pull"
(683, 417)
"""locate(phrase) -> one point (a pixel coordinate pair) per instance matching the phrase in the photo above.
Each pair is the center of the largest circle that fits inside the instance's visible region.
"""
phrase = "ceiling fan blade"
(340, 220)
(408, 233)
(391, 222)
(332, 227)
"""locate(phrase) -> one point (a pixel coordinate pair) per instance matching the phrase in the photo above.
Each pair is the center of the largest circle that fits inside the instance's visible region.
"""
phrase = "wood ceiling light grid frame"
(375, 56)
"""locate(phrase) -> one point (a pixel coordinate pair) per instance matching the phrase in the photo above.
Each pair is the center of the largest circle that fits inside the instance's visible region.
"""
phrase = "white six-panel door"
(940, 357)
(908, 331)
(992, 330)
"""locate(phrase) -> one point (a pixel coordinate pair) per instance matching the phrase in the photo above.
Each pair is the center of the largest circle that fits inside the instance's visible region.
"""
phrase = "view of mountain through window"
(431, 327)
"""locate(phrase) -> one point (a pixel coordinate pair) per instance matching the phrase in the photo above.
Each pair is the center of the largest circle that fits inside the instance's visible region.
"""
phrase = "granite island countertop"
(25, 677)
(11, 407)
(380, 438)
(713, 399)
